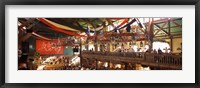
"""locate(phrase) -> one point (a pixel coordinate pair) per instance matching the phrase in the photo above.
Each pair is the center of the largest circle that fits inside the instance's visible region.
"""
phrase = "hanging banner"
(49, 47)
(56, 28)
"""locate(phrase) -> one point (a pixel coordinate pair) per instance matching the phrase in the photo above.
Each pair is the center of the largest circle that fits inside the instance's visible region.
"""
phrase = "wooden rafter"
(27, 22)
(141, 29)
(161, 28)
(103, 20)
(171, 27)
(176, 24)
(87, 21)
(79, 24)
(21, 34)
(149, 25)
(169, 36)
(90, 22)
(110, 22)
(136, 29)
(158, 21)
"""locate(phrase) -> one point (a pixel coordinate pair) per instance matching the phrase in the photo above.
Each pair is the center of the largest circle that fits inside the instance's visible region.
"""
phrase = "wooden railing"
(164, 58)
(147, 58)
(118, 54)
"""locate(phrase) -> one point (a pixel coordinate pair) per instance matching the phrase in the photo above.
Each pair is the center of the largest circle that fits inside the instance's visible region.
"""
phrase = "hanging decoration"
(139, 23)
(128, 24)
(88, 31)
(40, 36)
(64, 27)
(128, 28)
(115, 29)
(56, 28)
(125, 21)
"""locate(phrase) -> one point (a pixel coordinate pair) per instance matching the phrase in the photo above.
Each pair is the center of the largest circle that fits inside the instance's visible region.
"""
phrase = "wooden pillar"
(108, 65)
(87, 44)
(101, 47)
(171, 38)
(150, 33)
(126, 66)
(25, 37)
(171, 43)
(95, 43)
(81, 52)
(108, 47)
(95, 47)
(96, 64)
(20, 34)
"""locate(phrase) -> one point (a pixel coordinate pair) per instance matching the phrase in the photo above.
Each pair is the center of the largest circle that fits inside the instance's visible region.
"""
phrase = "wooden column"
(126, 66)
(87, 44)
(171, 38)
(96, 64)
(81, 52)
(108, 47)
(108, 65)
(95, 43)
(171, 43)
(150, 33)
(95, 47)
(101, 47)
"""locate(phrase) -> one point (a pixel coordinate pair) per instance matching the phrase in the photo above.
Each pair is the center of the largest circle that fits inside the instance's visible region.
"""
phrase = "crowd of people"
(65, 63)
(41, 62)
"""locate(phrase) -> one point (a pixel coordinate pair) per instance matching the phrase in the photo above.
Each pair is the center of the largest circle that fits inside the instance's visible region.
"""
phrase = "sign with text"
(49, 47)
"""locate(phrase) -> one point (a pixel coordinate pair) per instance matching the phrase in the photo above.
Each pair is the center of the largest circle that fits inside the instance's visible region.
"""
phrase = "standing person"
(154, 51)
(159, 51)
(166, 50)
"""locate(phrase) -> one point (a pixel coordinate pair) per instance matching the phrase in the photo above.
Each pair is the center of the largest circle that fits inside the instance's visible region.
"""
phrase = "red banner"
(49, 47)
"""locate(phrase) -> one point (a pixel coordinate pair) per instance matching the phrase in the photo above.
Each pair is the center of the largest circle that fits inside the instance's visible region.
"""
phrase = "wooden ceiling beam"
(110, 22)
(141, 29)
(79, 24)
(87, 21)
(169, 36)
(160, 28)
(27, 22)
(176, 24)
(172, 27)
(162, 21)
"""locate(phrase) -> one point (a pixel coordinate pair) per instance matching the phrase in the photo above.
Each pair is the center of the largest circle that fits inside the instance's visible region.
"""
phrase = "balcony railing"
(117, 54)
(161, 59)
(164, 58)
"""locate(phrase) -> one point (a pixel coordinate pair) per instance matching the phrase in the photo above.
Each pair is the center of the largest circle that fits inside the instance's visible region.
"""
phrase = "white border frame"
(187, 75)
